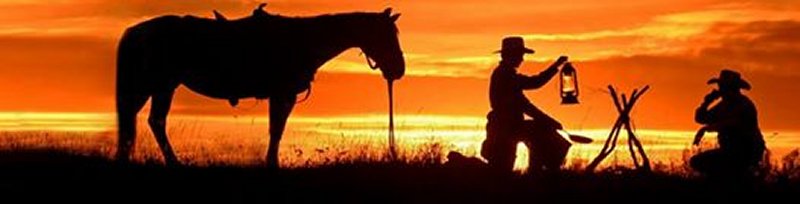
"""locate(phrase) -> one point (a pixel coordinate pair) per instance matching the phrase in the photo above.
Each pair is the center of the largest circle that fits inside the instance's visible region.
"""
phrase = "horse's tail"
(130, 57)
(130, 96)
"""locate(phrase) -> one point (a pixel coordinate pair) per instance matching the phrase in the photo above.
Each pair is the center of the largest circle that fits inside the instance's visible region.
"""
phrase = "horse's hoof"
(272, 166)
(122, 162)
(173, 163)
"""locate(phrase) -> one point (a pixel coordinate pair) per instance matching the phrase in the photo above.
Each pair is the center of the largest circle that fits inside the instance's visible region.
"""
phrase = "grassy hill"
(58, 175)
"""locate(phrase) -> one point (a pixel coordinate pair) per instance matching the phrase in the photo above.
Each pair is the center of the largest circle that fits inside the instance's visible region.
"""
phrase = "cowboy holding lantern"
(506, 121)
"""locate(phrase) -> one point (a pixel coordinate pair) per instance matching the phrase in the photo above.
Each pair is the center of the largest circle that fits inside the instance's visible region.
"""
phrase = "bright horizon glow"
(20, 121)
(456, 133)
(55, 121)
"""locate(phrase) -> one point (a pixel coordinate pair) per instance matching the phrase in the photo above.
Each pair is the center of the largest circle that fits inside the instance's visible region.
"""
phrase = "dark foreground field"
(47, 175)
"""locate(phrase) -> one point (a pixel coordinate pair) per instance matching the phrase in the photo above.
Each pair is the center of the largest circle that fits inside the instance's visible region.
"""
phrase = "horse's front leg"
(279, 109)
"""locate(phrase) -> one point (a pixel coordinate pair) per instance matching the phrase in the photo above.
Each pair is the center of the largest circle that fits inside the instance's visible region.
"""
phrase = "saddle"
(259, 11)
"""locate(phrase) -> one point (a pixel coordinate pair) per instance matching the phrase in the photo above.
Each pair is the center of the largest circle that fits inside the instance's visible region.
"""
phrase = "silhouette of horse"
(260, 56)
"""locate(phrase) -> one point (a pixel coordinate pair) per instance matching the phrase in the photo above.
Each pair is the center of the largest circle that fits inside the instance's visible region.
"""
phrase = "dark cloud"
(771, 4)
(765, 52)
(771, 46)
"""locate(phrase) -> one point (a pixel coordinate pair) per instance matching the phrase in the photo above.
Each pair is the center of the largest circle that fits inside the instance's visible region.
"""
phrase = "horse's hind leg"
(128, 105)
(279, 110)
(158, 121)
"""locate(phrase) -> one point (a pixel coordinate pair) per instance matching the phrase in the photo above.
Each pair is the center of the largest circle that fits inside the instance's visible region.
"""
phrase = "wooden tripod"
(623, 120)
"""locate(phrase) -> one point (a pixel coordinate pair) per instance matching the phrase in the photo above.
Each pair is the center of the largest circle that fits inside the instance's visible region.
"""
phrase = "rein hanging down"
(389, 83)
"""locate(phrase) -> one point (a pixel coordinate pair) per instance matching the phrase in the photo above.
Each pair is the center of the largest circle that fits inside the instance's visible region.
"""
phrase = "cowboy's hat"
(514, 44)
(730, 77)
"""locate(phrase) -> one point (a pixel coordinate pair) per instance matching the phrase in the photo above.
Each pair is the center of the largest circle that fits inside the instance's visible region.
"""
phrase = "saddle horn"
(219, 16)
(259, 11)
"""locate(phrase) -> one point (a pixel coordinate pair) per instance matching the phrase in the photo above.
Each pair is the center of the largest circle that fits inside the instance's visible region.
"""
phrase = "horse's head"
(380, 44)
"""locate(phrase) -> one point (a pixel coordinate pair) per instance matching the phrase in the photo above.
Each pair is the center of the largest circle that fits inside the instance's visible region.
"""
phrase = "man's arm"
(699, 136)
(537, 81)
(738, 112)
(701, 114)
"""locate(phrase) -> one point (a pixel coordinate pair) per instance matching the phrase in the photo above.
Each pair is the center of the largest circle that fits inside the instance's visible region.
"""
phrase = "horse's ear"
(395, 17)
(387, 11)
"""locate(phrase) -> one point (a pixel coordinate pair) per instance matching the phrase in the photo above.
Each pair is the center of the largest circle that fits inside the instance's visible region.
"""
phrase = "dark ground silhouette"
(259, 56)
(52, 175)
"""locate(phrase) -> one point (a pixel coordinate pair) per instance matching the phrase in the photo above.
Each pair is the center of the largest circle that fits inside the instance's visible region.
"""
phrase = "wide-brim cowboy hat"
(514, 44)
(730, 77)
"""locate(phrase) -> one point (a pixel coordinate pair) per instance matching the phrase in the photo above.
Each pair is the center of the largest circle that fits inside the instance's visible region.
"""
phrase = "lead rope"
(389, 83)
(392, 149)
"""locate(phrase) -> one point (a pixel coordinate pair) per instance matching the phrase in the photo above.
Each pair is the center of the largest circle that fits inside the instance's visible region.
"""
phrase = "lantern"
(569, 84)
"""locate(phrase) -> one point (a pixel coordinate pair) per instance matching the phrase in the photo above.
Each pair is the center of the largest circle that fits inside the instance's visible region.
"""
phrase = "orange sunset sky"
(59, 56)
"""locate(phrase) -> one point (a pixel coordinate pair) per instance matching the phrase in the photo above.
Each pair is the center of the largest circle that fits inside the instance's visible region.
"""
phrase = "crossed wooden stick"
(623, 120)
